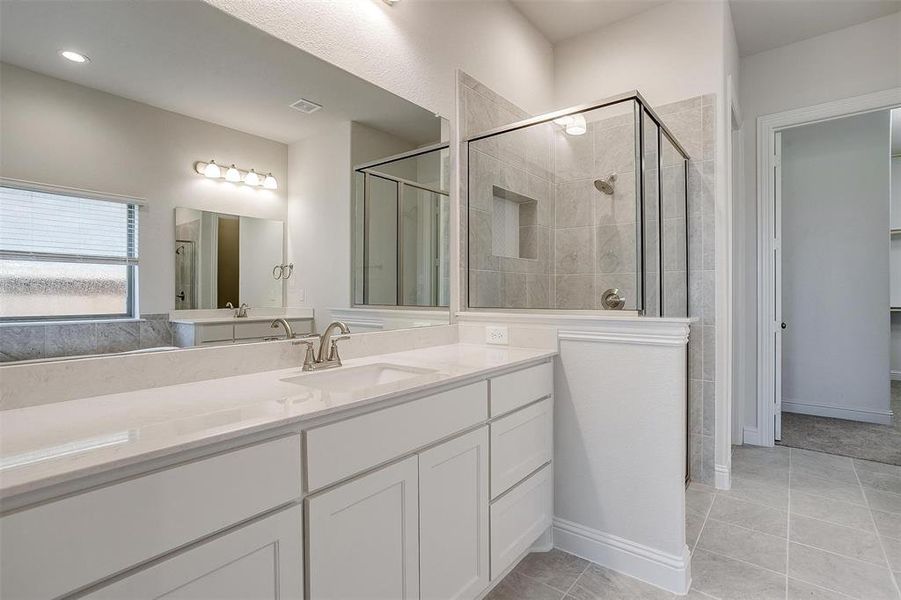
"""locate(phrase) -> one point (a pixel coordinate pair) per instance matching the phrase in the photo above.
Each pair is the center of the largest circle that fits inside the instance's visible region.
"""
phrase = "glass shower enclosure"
(581, 209)
(401, 230)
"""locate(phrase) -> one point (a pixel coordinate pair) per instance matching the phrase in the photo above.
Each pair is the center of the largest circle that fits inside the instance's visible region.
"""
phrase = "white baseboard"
(751, 436)
(896, 375)
(881, 417)
(545, 543)
(722, 477)
(669, 572)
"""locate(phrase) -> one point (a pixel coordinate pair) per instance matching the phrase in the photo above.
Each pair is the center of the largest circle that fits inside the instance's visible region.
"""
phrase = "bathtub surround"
(29, 341)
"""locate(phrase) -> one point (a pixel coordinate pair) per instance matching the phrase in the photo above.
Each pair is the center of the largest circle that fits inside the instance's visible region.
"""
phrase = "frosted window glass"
(65, 256)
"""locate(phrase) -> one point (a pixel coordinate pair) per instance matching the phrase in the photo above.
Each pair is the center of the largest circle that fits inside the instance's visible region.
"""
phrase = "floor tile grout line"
(745, 562)
(576, 580)
(704, 524)
(751, 529)
(888, 563)
(788, 522)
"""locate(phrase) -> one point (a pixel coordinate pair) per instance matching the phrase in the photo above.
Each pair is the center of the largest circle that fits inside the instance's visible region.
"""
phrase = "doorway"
(825, 332)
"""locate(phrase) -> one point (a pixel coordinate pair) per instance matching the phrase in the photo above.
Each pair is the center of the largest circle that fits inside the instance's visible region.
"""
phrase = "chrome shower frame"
(642, 108)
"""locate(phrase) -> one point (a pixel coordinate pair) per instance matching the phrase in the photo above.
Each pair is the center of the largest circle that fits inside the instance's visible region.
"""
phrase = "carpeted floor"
(881, 443)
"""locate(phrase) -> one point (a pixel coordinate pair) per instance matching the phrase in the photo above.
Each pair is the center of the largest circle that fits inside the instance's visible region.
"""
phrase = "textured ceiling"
(193, 59)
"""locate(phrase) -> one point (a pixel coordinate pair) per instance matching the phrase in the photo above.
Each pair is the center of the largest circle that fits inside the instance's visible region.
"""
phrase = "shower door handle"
(783, 325)
(181, 296)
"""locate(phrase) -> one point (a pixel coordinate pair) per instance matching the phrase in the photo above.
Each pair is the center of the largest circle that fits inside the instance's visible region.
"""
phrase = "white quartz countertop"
(54, 443)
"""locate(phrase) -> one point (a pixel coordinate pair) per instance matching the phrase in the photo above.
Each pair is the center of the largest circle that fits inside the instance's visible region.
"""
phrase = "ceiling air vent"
(306, 106)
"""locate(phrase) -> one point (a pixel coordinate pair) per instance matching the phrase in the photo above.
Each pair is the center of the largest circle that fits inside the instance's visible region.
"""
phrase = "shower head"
(606, 185)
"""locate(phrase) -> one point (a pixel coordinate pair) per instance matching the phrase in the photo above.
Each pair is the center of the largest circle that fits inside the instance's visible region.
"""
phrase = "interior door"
(777, 288)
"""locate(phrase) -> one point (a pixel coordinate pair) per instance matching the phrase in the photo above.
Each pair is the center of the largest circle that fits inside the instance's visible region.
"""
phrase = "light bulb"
(564, 121)
(252, 178)
(76, 57)
(233, 174)
(270, 183)
(578, 126)
(212, 170)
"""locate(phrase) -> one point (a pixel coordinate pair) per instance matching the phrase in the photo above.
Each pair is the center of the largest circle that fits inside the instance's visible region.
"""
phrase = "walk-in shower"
(401, 229)
(580, 209)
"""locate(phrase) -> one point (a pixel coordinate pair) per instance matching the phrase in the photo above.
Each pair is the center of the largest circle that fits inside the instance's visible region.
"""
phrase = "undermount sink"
(350, 379)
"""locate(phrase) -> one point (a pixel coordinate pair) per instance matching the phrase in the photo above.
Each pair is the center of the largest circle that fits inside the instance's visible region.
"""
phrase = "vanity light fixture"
(390, 2)
(233, 174)
(76, 57)
(212, 170)
(252, 178)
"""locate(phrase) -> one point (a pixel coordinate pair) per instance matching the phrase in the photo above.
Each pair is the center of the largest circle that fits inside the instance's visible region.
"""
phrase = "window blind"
(42, 226)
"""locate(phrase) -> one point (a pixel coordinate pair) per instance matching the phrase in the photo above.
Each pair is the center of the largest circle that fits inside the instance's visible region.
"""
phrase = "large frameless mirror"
(192, 185)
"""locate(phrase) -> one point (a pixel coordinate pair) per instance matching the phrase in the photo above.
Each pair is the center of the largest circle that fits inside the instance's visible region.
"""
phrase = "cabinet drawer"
(510, 391)
(520, 443)
(61, 546)
(213, 333)
(519, 518)
(339, 450)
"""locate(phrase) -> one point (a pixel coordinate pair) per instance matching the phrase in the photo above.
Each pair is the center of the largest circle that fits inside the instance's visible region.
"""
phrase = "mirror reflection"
(402, 213)
(195, 184)
(223, 261)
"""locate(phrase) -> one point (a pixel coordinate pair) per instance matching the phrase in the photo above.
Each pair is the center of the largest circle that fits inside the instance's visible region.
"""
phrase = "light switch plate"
(495, 334)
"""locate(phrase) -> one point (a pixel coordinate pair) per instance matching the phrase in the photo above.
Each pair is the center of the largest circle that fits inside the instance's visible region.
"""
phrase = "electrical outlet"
(495, 334)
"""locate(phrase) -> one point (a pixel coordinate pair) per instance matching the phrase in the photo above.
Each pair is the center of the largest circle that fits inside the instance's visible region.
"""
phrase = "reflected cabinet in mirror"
(195, 194)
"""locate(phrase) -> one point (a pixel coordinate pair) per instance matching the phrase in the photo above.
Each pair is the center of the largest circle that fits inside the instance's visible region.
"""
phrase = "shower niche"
(580, 209)
(514, 225)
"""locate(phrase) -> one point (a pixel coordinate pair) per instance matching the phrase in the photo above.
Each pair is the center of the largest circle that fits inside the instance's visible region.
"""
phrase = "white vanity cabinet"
(364, 536)
(453, 518)
(428, 498)
(259, 561)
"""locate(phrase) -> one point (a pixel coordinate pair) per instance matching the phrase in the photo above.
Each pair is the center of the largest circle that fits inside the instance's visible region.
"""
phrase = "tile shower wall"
(51, 340)
(591, 234)
(595, 233)
(512, 183)
(692, 122)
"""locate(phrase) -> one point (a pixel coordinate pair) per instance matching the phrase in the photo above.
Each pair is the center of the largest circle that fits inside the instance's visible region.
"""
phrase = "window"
(63, 256)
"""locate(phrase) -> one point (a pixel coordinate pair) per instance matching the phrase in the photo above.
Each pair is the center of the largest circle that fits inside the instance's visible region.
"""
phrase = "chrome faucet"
(241, 311)
(328, 356)
(289, 333)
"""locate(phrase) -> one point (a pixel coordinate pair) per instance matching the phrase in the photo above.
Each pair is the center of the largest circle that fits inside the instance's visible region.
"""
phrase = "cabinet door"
(364, 537)
(453, 524)
(259, 561)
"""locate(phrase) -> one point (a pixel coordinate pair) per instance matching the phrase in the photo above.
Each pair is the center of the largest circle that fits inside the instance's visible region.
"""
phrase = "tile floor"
(848, 438)
(796, 524)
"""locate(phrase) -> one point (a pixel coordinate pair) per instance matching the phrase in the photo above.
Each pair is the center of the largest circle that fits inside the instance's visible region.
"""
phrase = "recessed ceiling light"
(76, 57)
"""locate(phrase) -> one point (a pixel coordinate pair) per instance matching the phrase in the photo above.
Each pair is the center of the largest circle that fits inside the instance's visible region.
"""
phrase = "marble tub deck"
(796, 524)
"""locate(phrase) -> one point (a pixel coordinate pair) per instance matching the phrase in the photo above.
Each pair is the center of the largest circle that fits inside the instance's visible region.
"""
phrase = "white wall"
(319, 192)
(668, 53)
(835, 207)
(414, 48)
(59, 133)
(849, 62)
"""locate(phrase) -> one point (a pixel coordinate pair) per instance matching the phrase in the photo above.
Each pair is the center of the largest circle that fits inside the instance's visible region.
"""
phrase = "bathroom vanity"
(423, 474)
